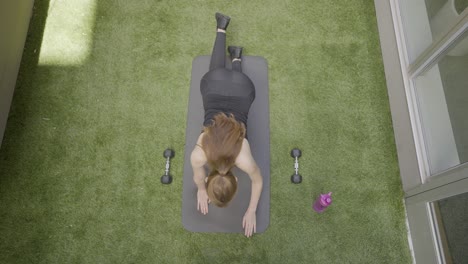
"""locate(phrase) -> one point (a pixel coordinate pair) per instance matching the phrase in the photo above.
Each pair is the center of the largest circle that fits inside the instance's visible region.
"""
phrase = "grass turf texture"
(82, 155)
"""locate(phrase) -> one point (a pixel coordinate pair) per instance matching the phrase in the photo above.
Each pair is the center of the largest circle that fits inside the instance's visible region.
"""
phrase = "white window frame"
(420, 188)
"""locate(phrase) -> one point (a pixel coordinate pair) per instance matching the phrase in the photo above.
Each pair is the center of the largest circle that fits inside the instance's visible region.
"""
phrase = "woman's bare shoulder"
(200, 138)
(245, 160)
(198, 157)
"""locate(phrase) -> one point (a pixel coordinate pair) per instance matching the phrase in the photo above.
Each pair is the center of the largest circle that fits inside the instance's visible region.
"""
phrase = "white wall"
(14, 23)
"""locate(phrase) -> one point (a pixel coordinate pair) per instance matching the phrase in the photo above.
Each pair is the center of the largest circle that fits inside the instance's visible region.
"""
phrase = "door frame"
(419, 187)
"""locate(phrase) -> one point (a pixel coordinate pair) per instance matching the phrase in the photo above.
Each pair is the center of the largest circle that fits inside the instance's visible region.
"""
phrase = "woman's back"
(226, 91)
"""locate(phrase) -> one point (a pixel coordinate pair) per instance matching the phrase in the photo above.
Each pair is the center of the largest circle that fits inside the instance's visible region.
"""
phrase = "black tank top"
(226, 91)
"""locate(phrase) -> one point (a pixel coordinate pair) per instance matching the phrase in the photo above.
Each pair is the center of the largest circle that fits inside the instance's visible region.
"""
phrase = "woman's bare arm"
(246, 162)
(198, 161)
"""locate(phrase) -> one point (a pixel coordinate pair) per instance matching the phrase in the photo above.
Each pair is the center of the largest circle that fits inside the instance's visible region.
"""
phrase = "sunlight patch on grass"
(68, 32)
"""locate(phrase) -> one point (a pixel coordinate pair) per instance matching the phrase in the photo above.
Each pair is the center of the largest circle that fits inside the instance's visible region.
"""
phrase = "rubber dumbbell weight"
(167, 177)
(296, 177)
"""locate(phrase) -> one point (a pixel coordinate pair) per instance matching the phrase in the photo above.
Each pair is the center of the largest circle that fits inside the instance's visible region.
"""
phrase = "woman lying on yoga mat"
(227, 96)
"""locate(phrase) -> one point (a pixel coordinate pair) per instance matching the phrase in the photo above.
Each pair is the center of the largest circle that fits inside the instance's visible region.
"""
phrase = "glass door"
(431, 43)
(434, 53)
(438, 220)
(452, 215)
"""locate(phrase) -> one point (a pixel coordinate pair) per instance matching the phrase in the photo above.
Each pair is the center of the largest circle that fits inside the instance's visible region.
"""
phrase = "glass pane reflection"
(442, 95)
(425, 21)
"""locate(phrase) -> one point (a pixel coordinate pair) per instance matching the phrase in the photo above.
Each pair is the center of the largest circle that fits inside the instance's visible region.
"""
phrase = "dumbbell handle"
(296, 165)
(168, 165)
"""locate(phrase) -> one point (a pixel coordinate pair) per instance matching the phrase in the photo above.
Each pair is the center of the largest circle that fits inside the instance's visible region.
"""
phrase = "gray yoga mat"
(229, 219)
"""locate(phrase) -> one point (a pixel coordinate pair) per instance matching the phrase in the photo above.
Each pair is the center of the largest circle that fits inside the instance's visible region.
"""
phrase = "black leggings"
(224, 90)
(218, 56)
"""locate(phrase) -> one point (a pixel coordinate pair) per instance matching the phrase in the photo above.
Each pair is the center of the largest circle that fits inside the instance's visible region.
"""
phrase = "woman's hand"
(249, 223)
(203, 200)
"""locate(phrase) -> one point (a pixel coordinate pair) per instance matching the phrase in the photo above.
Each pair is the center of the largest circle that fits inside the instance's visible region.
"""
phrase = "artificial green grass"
(82, 155)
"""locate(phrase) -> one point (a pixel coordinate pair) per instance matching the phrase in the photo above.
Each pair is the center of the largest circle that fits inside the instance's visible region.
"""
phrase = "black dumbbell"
(168, 154)
(296, 154)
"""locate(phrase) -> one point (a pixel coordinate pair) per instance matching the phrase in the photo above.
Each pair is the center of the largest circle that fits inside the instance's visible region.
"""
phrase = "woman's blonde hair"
(222, 142)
